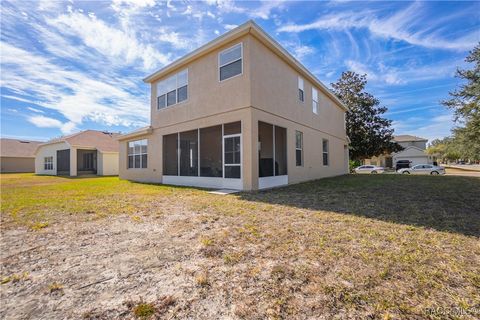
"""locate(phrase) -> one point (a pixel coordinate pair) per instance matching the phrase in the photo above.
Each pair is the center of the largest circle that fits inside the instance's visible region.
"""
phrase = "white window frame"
(301, 86)
(48, 163)
(297, 148)
(176, 91)
(326, 152)
(314, 100)
(137, 154)
(223, 154)
(221, 65)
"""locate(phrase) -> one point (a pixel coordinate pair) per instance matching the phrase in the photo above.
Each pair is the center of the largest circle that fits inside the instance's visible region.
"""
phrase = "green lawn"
(381, 246)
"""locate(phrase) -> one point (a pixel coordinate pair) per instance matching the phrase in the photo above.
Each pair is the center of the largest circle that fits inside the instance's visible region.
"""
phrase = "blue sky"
(74, 65)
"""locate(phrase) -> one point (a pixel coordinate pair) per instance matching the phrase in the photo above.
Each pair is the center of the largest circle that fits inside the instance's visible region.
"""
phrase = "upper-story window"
(172, 90)
(301, 94)
(314, 100)
(230, 62)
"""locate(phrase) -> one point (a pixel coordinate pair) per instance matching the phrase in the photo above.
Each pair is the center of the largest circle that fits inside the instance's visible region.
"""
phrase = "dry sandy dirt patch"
(339, 248)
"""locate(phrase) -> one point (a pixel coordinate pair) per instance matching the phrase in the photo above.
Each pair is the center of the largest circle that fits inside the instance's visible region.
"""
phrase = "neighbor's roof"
(407, 137)
(18, 148)
(100, 140)
(250, 27)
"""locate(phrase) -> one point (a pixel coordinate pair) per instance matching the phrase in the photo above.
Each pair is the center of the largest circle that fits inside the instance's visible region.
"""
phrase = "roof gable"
(18, 148)
(100, 140)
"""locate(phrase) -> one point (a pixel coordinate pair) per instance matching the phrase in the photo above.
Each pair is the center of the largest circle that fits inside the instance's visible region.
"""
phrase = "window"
(137, 154)
(325, 152)
(230, 62)
(172, 90)
(299, 148)
(48, 163)
(88, 161)
(301, 95)
(314, 100)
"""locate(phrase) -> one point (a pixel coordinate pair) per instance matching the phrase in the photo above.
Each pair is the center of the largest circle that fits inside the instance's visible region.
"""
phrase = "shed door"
(63, 162)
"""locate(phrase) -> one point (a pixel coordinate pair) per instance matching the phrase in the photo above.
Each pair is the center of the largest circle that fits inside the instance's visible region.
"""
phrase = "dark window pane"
(229, 157)
(189, 153)
(265, 139)
(232, 172)
(170, 156)
(137, 161)
(325, 159)
(231, 70)
(211, 152)
(232, 128)
(171, 98)
(236, 157)
(130, 162)
(161, 102)
(144, 161)
(300, 94)
(298, 154)
(228, 145)
(144, 147)
(182, 94)
(236, 141)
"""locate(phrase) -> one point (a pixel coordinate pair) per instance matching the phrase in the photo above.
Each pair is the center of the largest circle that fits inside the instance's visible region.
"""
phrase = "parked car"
(369, 169)
(400, 164)
(423, 169)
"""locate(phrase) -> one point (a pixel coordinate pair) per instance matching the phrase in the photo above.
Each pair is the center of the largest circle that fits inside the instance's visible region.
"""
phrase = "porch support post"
(73, 161)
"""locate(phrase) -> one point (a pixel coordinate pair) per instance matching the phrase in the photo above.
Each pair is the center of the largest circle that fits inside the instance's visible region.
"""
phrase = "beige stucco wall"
(313, 167)
(17, 164)
(275, 90)
(46, 151)
(266, 91)
(206, 94)
(107, 164)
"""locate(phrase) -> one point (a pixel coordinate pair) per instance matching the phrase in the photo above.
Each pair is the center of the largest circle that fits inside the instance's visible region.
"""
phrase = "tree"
(370, 134)
(465, 102)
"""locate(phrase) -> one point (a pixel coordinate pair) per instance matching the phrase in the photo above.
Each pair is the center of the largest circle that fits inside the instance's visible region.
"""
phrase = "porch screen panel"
(265, 145)
(189, 153)
(211, 152)
(280, 151)
(170, 155)
(232, 128)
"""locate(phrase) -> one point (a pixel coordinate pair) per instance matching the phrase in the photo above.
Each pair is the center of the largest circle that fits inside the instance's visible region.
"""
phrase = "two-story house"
(413, 150)
(238, 113)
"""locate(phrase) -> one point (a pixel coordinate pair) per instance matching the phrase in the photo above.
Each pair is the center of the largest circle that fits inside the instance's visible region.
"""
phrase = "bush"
(353, 164)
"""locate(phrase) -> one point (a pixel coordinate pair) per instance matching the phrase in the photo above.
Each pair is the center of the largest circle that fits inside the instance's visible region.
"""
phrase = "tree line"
(371, 134)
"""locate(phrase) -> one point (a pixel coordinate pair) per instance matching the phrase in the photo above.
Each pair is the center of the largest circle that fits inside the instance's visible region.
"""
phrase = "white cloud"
(73, 94)
(386, 74)
(397, 26)
(35, 110)
(264, 11)
(431, 128)
(46, 122)
(110, 41)
(230, 26)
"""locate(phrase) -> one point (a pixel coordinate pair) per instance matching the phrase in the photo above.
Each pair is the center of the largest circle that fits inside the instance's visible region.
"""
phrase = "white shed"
(86, 152)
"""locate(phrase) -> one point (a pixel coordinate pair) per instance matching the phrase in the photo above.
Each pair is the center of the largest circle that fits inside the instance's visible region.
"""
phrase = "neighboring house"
(18, 155)
(86, 152)
(238, 113)
(414, 150)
